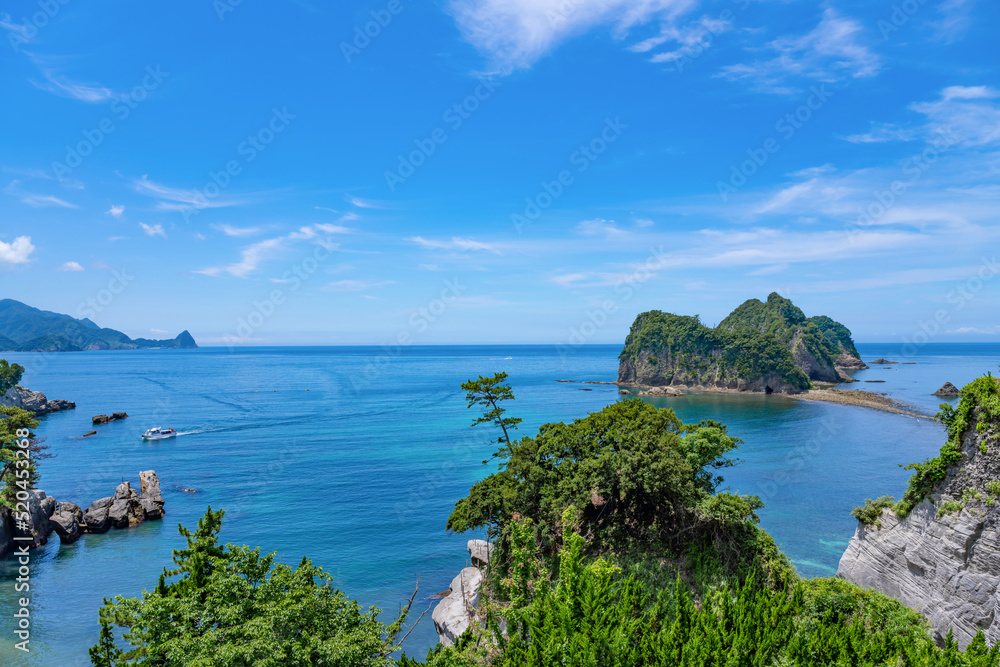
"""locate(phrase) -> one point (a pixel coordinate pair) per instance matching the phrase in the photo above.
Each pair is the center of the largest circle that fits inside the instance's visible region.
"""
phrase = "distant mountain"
(761, 346)
(27, 329)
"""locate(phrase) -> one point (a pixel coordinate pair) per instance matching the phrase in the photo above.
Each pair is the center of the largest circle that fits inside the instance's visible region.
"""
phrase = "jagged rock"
(33, 401)
(948, 390)
(662, 391)
(124, 491)
(151, 509)
(66, 521)
(846, 360)
(104, 419)
(942, 560)
(454, 614)
(624, 392)
(149, 483)
(882, 362)
(48, 505)
(480, 552)
(37, 527)
(98, 517)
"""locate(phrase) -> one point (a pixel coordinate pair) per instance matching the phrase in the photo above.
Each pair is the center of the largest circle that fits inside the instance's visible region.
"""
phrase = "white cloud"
(71, 267)
(116, 211)
(180, 199)
(229, 230)
(600, 227)
(516, 33)
(967, 115)
(975, 330)
(17, 252)
(956, 17)
(883, 133)
(153, 230)
(456, 243)
(256, 254)
(832, 51)
(644, 222)
(35, 200)
(59, 84)
(690, 39)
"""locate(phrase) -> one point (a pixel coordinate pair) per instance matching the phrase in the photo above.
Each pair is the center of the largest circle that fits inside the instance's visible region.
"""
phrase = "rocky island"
(938, 549)
(767, 347)
(27, 329)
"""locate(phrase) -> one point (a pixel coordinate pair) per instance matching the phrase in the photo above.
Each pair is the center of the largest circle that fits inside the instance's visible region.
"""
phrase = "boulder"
(882, 362)
(454, 614)
(37, 526)
(71, 508)
(151, 509)
(662, 391)
(149, 484)
(97, 518)
(480, 552)
(48, 505)
(104, 419)
(948, 390)
(115, 416)
(66, 525)
(103, 503)
(124, 491)
(624, 392)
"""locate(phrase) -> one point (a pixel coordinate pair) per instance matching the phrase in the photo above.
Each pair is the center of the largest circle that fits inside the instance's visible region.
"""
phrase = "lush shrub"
(871, 511)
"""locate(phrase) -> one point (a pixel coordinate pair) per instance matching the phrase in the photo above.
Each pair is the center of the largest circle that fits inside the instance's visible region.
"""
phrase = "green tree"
(10, 375)
(489, 393)
(233, 607)
(18, 468)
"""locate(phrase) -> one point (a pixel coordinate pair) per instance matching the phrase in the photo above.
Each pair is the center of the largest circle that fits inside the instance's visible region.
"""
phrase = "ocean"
(354, 457)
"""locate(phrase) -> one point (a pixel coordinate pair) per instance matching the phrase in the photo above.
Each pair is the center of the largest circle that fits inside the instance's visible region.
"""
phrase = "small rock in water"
(87, 435)
(948, 391)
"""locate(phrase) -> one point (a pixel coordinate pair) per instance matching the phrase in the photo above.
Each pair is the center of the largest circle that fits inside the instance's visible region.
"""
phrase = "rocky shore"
(457, 611)
(44, 515)
(863, 399)
(33, 401)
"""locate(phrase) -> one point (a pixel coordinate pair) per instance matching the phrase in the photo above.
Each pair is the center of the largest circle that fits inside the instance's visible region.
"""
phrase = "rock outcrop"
(761, 347)
(126, 508)
(105, 419)
(457, 611)
(661, 391)
(943, 558)
(33, 401)
(948, 390)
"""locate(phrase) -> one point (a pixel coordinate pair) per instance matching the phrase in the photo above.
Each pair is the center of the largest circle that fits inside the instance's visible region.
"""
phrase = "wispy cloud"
(72, 267)
(153, 230)
(688, 39)
(253, 256)
(600, 227)
(516, 33)
(356, 285)
(456, 243)
(881, 133)
(17, 252)
(35, 200)
(968, 114)
(834, 50)
(180, 199)
(230, 230)
(59, 84)
(116, 211)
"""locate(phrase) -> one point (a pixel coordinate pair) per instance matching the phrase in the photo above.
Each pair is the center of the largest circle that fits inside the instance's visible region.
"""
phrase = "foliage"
(10, 375)
(837, 335)
(596, 615)
(18, 466)
(979, 405)
(233, 607)
(949, 507)
(870, 513)
(488, 393)
(637, 473)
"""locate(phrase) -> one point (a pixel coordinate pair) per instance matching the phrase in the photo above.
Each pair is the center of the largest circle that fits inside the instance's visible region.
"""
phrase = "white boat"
(159, 434)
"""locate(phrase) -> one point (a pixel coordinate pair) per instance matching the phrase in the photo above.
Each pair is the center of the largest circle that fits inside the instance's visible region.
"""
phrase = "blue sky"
(499, 171)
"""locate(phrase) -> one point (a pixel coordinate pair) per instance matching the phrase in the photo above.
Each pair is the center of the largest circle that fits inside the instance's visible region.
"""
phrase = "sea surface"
(354, 457)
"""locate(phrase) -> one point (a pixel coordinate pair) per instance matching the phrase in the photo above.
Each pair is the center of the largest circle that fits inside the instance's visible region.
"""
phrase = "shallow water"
(355, 457)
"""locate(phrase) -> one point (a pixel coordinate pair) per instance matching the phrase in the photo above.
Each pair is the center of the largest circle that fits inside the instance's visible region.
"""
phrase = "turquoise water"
(355, 456)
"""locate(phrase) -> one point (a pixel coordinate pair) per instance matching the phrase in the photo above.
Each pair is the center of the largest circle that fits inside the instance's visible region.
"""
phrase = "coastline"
(856, 397)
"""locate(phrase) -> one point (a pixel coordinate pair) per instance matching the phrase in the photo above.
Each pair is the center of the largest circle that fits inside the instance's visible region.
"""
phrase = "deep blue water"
(355, 457)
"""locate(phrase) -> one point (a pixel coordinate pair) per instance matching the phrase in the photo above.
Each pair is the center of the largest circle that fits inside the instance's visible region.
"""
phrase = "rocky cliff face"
(943, 559)
(33, 401)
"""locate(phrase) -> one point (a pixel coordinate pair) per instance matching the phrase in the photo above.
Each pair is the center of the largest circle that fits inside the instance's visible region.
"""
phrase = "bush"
(871, 511)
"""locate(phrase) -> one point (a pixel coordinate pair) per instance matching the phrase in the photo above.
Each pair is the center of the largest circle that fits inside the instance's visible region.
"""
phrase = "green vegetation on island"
(770, 347)
(27, 329)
